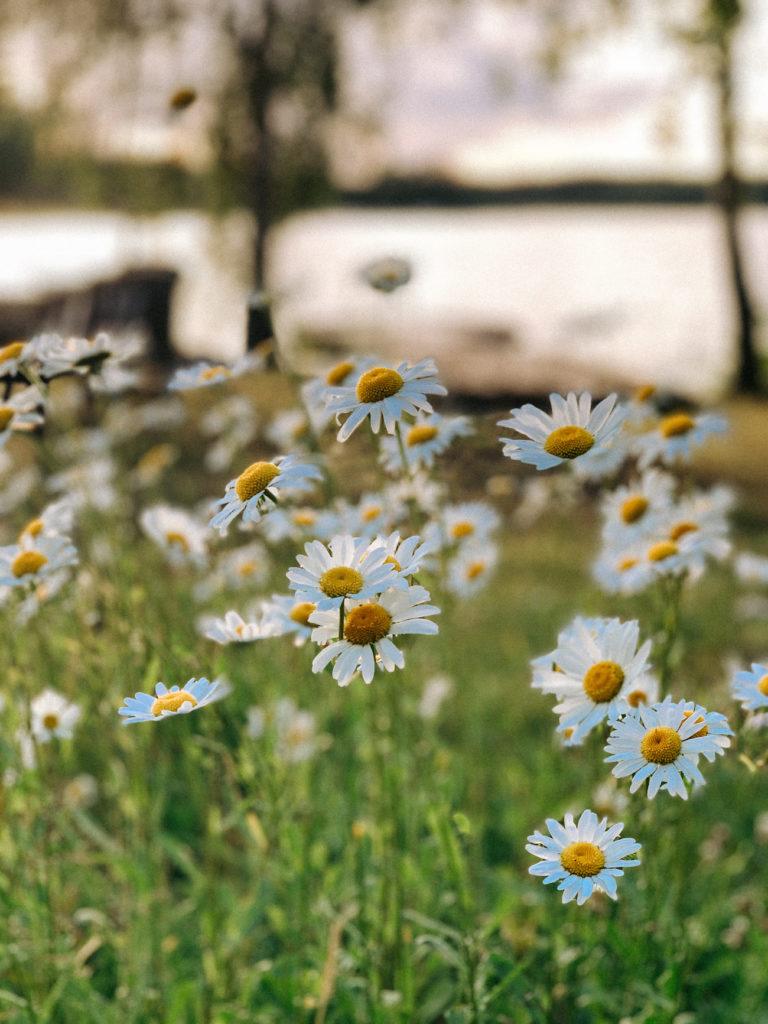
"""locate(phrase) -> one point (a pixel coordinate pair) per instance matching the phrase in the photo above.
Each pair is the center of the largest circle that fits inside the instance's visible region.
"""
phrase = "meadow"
(360, 860)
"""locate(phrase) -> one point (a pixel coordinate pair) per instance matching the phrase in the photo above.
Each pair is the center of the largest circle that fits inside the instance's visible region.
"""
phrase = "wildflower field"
(471, 718)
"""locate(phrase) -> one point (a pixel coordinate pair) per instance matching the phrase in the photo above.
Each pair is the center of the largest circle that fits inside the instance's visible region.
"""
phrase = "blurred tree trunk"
(729, 195)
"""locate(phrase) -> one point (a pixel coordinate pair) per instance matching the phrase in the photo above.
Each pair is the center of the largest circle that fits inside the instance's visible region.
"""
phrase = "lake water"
(502, 297)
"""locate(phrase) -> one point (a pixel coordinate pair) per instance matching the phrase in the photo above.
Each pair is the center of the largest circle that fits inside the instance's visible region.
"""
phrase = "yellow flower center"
(27, 562)
(304, 518)
(676, 424)
(171, 701)
(255, 479)
(568, 731)
(11, 351)
(50, 721)
(300, 612)
(762, 686)
(704, 731)
(420, 434)
(634, 508)
(6, 415)
(391, 560)
(627, 563)
(339, 372)
(644, 392)
(662, 550)
(33, 528)
(475, 569)
(341, 581)
(379, 383)
(636, 698)
(174, 537)
(371, 513)
(569, 442)
(462, 529)
(603, 681)
(583, 859)
(214, 372)
(247, 568)
(661, 745)
(366, 624)
(681, 529)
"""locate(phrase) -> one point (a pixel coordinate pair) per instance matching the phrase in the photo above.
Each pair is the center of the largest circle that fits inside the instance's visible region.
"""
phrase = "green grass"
(385, 880)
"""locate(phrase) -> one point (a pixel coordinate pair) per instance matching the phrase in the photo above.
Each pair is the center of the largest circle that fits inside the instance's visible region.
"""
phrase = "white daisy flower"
(407, 556)
(87, 484)
(751, 568)
(20, 412)
(662, 744)
(386, 394)
(623, 570)
(350, 567)
(231, 629)
(419, 490)
(702, 516)
(178, 534)
(427, 438)
(387, 273)
(296, 737)
(205, 375)
(289, 430)
(28, 566)
(196, 693)
(258, 487)
(751, 688)
(641, 405)
(288, 615)
(471, 569)
(369, 626)
(676, 435)
(372, 514)
(56, 520)
(316, 393)
(13, 357)
(571, 430)
(598, 664)
(582, 857)
(242, 568)
(57, 355)
(53, 717)
(294, 524)
(636, 510)
(469, 521)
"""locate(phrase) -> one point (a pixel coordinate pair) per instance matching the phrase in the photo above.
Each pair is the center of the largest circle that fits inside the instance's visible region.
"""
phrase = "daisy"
(366, 643)
(289, 430)
(12, 358)
(57, 355)
(469, 520)
(231, 629)
(472, 568)
(242, 568)
(27, 565)
(623, 570)
(662, 744)
(606, 461)
(53, 717)
(407, 556)
(296, 738)
(419, 490)
(582, 857)
(87, 484)
(636, 510)
(751, 688)
(287, 615)
(259, 485)
(427, 438)
(56, 520)
(178, 534)
(20, 412)
(676, 435)
(205, 375)
(385, 393)
(751, 568)
(350, 567)
(702, 516)
(570, 431)
(387, 273)
(294, 524)
(372, 514)
(144, 707)
(316, 393)
(598, 665)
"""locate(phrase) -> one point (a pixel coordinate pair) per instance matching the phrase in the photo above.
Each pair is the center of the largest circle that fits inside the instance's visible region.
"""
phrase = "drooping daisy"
(27, 565)
(258, 487)
(469, 521)
(288, 615)
(178, 534)
(598, 664)
(205, 375)
(387, 273)
(231, 629)
(408, 555)
(386, 394)
(422, 441)
(571, 430)
(12, 358)
(53, 717)
(582, 857)
(166, 702)
(751, 687)
(20, 412)
(676, 435)
(635, 510)
(471, 569)
(662, 744)
(369, 627)
(350, 567)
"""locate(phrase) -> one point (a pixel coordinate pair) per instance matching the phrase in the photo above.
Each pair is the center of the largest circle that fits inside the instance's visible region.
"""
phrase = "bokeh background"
(579, 185)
